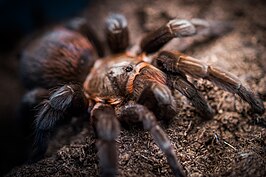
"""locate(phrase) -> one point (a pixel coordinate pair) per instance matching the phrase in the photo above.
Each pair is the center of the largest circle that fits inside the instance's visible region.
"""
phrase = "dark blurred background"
(18, 18)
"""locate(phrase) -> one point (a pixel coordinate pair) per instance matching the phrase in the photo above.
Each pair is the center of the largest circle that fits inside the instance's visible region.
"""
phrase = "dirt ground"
(233, 143)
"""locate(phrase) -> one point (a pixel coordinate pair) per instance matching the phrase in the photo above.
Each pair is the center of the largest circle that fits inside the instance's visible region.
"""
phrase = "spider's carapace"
(115, 78)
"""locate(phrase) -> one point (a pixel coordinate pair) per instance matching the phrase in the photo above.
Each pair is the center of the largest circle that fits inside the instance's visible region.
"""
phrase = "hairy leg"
(139, 113)
(28, 108)
(158, 98)
(116, 31)
(177, 28)
(107, 129)
(81, 26)
(187, 89)
(66, 101)
(176, 63)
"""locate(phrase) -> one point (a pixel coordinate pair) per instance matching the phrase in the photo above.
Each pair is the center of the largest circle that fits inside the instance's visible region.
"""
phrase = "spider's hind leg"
(116, 31)
(80, 25)
(27, 108)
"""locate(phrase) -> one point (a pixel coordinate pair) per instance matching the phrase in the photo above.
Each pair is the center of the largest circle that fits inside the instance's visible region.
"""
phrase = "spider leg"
(158, 98)
(138, 113)
(34, 97)
(27, 108)
(175, 63)
(107, 129)
(81, 26)
(66, 101)
(186, 88)
(116, 31)
(178, 28)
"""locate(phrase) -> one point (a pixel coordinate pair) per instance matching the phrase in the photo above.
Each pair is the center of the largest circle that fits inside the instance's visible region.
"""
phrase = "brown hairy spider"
(122, 87)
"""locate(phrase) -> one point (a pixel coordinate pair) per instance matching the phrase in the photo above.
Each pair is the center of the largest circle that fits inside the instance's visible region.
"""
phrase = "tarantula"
(123, 87)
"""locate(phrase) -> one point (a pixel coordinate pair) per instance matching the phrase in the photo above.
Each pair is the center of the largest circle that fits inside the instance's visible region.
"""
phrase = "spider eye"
(128, 68)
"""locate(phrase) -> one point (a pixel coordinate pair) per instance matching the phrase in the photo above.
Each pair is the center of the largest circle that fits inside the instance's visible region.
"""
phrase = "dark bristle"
(255, 103)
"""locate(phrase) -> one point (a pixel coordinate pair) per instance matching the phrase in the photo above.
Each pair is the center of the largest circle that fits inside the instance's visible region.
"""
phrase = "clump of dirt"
(233, 143)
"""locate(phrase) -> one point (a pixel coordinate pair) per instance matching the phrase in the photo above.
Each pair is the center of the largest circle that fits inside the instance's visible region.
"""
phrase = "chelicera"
(126, 86)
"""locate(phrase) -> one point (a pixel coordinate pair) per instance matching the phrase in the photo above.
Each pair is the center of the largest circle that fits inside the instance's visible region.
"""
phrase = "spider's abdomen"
(58, 57)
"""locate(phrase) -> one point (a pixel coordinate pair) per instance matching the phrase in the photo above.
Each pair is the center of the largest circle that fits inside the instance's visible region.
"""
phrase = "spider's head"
(120, 76)
(130, 75)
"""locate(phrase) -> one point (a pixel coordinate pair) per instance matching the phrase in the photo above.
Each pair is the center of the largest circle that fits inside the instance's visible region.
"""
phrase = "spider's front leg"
(178, 28)
(139, 113)
(158, 98)
(66, 101)
(176, 63)
(107, 129)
